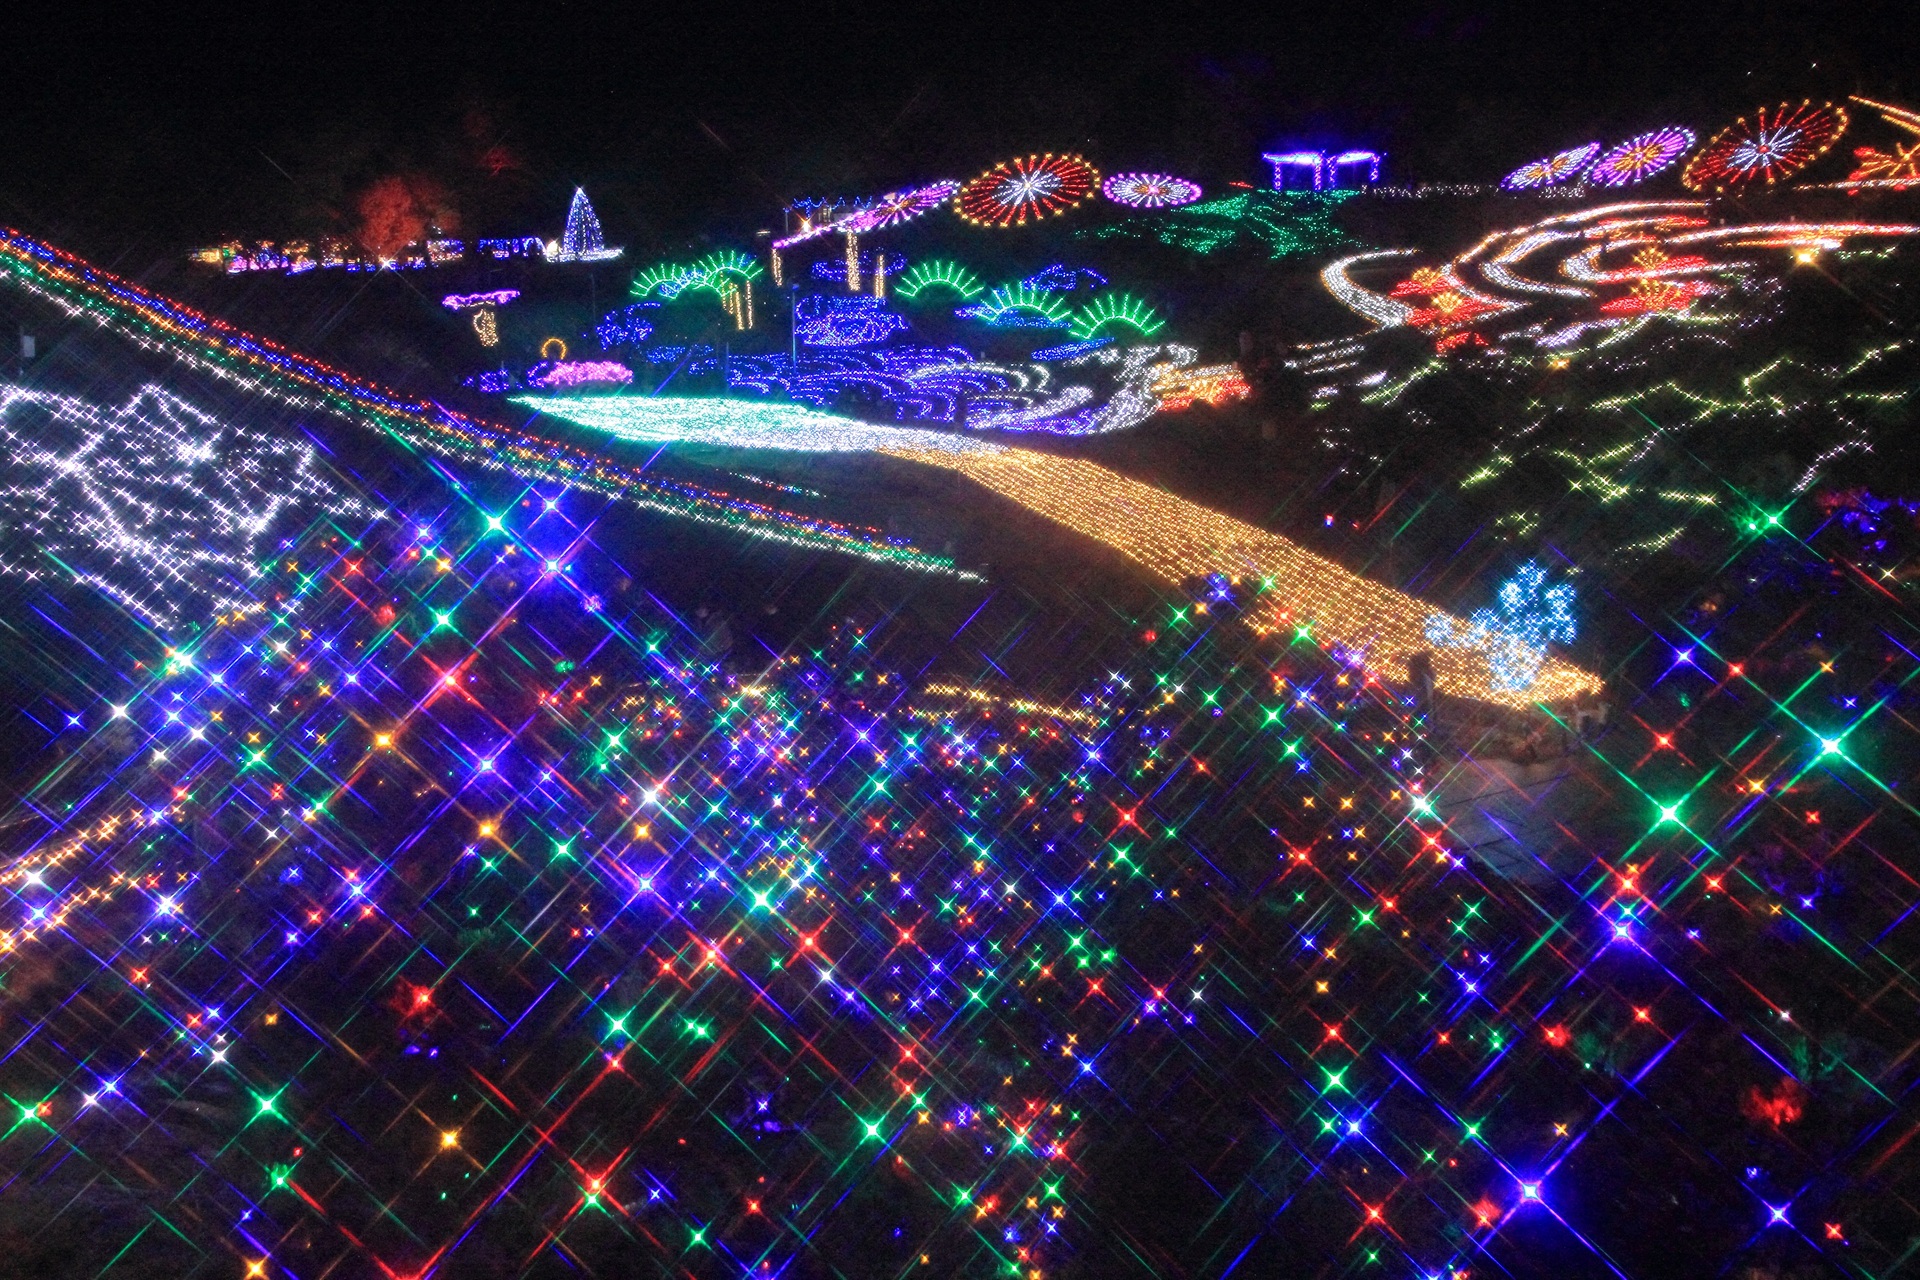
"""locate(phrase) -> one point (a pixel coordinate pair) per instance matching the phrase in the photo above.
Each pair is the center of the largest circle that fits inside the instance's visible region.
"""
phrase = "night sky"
(136, 127)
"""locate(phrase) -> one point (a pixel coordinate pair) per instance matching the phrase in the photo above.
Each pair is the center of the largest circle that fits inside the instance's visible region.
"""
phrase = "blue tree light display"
(1515, 635)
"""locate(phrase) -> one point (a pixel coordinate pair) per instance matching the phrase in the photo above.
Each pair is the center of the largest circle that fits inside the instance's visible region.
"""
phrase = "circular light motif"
(1775, 144)
(1638, 159)
(1012, 192)
(899, 206)
(1552, 171)
(1149, 190)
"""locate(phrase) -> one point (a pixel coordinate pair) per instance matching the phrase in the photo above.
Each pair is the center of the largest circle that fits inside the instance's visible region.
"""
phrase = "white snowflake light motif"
(156, 504)
(1514, 637)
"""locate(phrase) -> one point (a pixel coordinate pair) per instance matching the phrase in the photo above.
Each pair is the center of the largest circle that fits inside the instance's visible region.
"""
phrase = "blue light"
(1514, 638)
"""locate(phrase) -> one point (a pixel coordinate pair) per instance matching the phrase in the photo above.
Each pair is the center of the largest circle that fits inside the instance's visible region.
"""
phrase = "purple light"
(468, 301)
(579, 373)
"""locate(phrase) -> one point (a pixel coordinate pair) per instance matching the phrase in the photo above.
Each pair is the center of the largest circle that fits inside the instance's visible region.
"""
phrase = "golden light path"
(1178, 541)
(1175, 540)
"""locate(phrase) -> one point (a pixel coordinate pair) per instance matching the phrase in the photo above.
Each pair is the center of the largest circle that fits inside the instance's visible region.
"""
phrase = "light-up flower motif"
(1515, 636)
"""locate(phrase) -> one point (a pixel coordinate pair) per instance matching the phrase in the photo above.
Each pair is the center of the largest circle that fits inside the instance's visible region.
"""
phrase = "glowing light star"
(1778, 143)
(1515, 637)
(1640, 157)
(1149, 190)
(155, 503)
(1552, 171)
(1899, 168)
(940, 274)
(581, 240)
(1015, 191)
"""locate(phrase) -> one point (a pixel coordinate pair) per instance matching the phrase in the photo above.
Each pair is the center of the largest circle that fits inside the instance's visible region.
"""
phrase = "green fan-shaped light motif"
(668, 279)
(938, 271)
(718, 271)
(1017, 297)
(1111, 309)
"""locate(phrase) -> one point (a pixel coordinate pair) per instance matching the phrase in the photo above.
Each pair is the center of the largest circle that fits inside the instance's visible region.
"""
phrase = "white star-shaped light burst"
(155, 503)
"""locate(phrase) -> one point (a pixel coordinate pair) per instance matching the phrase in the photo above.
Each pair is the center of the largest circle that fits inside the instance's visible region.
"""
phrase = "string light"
(486, 327)
(938, 273)
(1016, 305)
(1303, 593)
(844, 322)
(1561, 167)
(1898, 168)
(1641, 157)
(581, 240)
(1286, 224)
(1110, 309)
(1325, 171)
(1149, 190)
(563, 374)
(155, 503)
(625, 327)
(1176, 540)
(1515, 636)
(1038, 186)
(259, 366)
(468, 301)
(1780, 142)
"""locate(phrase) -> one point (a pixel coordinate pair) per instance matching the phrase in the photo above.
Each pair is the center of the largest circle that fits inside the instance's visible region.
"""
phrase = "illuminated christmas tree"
(581, 241)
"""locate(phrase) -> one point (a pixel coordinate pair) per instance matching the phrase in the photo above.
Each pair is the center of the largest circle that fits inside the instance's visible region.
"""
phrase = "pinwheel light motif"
(1639, 158)
(1017, 191)
(1149, 190)
(1553, 170)
(1776, 144)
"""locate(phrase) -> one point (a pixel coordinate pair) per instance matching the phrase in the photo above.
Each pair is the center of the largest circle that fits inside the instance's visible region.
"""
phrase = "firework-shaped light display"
(1639, 158)
(1553, 170)
(1017, 191)
(1150, 190)
(1777, 143)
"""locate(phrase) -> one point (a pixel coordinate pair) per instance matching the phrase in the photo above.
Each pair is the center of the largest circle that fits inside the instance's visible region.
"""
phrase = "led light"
(581, 241)
(1014, 191)
(1779, 143)
(1555, 169)
(1149, 190)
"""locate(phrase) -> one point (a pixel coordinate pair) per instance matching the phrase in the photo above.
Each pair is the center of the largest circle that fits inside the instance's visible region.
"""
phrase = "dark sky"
(137, 126)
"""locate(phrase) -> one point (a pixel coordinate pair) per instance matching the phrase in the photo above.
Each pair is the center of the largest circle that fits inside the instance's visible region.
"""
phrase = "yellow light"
(383, 740)
(1180, 541)
(449, 1138)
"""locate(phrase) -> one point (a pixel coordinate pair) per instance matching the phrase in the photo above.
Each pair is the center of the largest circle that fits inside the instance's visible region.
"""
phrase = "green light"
(1670, 813)
(495, 524)
(442, 620)
(1829, 746)
(873, 1129)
